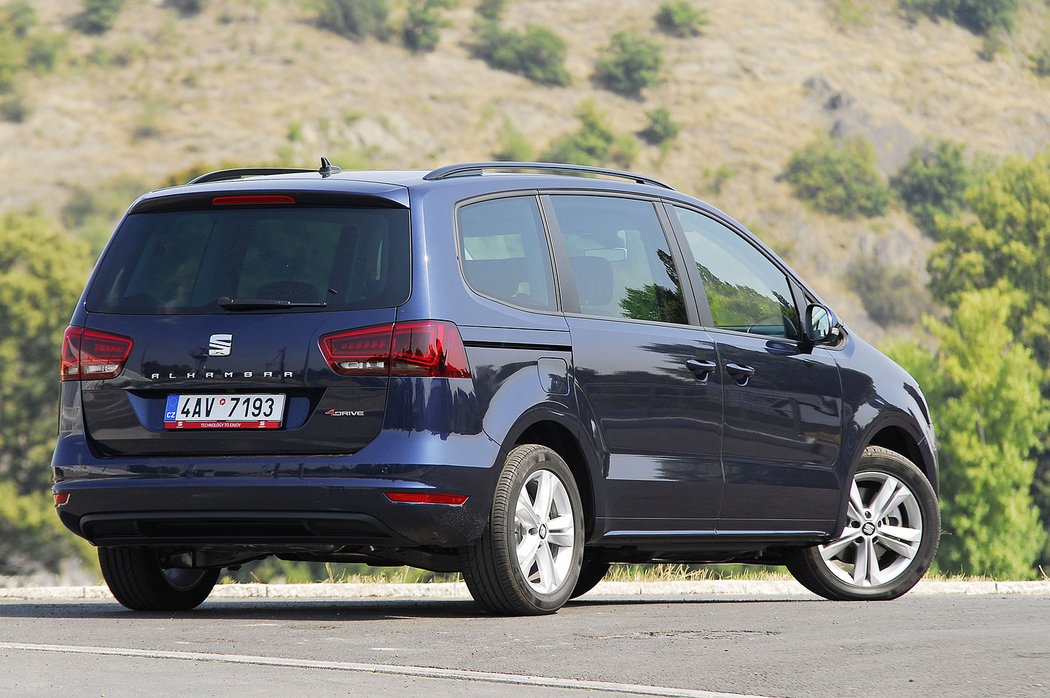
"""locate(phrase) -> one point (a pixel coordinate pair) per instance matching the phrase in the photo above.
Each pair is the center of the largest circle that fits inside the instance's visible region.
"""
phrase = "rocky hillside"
(255, 81)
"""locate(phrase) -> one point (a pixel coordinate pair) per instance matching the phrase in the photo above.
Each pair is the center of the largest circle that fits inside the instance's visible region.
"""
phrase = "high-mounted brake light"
(252, 200)
(92, 355)
(426, 498)
(426, 348)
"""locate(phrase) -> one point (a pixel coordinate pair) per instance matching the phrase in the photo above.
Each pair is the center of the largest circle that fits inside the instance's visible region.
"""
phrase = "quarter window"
(620, 258)
(505, 253)
(746, 291)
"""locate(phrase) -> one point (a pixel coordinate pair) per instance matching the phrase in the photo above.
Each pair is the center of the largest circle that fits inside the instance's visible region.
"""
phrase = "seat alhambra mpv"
(522, 372)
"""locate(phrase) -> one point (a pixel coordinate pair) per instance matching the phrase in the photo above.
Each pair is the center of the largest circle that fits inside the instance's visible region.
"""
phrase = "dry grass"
(225, 86)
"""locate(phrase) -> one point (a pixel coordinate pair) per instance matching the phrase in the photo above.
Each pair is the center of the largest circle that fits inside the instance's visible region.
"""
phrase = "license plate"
(224, 412)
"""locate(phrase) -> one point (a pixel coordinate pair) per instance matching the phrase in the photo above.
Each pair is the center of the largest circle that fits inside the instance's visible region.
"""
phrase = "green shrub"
(491, 9)
(356, 19)
(537, 53)
(17, 19)
(98, 16)
(44, 51)
(839, 177)
(851, 13)
(593, 143)
(514, 147)
(681, 18)
(661, 129)
(933, 182)
(422, 27)
(12, 59)
(631, 62)
(186, 8)
(716, 179)
(1041, 59)
(979, 16)
(891, 296)
(14, 108)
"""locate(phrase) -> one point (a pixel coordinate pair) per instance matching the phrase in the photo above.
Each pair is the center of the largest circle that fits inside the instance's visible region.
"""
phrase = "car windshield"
(216, 261)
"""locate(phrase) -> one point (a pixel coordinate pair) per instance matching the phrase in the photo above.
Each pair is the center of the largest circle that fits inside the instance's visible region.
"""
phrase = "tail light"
(429, 348)
(91, 355)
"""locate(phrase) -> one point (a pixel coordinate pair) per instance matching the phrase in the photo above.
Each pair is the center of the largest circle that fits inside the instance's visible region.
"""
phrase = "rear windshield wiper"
(264, 304)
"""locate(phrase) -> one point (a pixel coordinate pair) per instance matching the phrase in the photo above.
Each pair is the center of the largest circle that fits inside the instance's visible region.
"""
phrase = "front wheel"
(891, 534)
(138, 581)
(528, 559)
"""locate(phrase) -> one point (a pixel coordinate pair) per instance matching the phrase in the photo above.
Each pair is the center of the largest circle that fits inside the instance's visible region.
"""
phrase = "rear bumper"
(276, 513)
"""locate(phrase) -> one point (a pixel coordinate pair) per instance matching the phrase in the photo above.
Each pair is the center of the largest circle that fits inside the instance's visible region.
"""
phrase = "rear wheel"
(891, 534)
(139, 581)
(527, 561)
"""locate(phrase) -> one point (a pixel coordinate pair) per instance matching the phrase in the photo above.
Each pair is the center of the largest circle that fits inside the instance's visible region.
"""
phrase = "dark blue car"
(522, 372)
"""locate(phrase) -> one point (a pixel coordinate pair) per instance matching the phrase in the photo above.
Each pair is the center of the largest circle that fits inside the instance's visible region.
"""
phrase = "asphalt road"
(985, 645)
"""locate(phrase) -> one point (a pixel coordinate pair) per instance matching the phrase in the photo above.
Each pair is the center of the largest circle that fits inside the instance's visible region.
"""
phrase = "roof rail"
(326, 170)
(473, 169)
(221, 175)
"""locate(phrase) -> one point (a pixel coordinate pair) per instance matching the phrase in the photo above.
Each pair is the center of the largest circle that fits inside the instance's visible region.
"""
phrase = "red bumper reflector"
(252, 200)
(426, 498)
(61, 498)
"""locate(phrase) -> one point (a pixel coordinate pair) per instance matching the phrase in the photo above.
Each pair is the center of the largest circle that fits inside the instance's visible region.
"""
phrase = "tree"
(356, 19)
(593, 143)
(537, 53)
(933, 183)
(422, 27)
(1007, 239)
(1004, 242)
(42, 272)
(631, 62)
(839, 177)
(979, 16)
(680, 18)
(98, 16)
(983, 389)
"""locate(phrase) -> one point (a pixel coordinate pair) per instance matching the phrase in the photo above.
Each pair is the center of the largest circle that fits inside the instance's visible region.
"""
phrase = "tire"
(591, 572)
(548, 534)
(138, 581)
(879, 555)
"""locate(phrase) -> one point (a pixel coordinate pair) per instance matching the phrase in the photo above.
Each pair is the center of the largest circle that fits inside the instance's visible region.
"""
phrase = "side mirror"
(822, 327)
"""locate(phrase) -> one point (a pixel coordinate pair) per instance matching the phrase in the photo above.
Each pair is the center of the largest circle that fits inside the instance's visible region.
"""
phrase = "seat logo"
(220, 345)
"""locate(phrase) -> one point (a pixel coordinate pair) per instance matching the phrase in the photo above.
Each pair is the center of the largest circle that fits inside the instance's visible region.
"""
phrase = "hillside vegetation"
(853, 136)
(251, 81)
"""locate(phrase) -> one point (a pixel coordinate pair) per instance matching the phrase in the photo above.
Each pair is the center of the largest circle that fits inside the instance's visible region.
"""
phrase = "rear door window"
(621, 261)
(505, 252)
(184, 261)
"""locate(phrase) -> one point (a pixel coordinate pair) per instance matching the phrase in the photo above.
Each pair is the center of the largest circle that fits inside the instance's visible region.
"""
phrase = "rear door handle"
(740, 372)
(701, 369)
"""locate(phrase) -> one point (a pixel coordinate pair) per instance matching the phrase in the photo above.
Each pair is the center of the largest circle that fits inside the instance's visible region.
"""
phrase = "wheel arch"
(892, 432)
(898, 439)
(559, 432)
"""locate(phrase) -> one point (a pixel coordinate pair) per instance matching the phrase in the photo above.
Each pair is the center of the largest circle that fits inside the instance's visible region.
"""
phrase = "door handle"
(740, 372)
(701, 369)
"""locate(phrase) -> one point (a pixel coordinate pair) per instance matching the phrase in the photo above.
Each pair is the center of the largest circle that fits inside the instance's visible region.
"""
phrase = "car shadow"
(328, 610)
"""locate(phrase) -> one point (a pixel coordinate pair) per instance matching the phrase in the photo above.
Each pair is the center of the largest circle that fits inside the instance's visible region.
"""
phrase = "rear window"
(185, 261)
